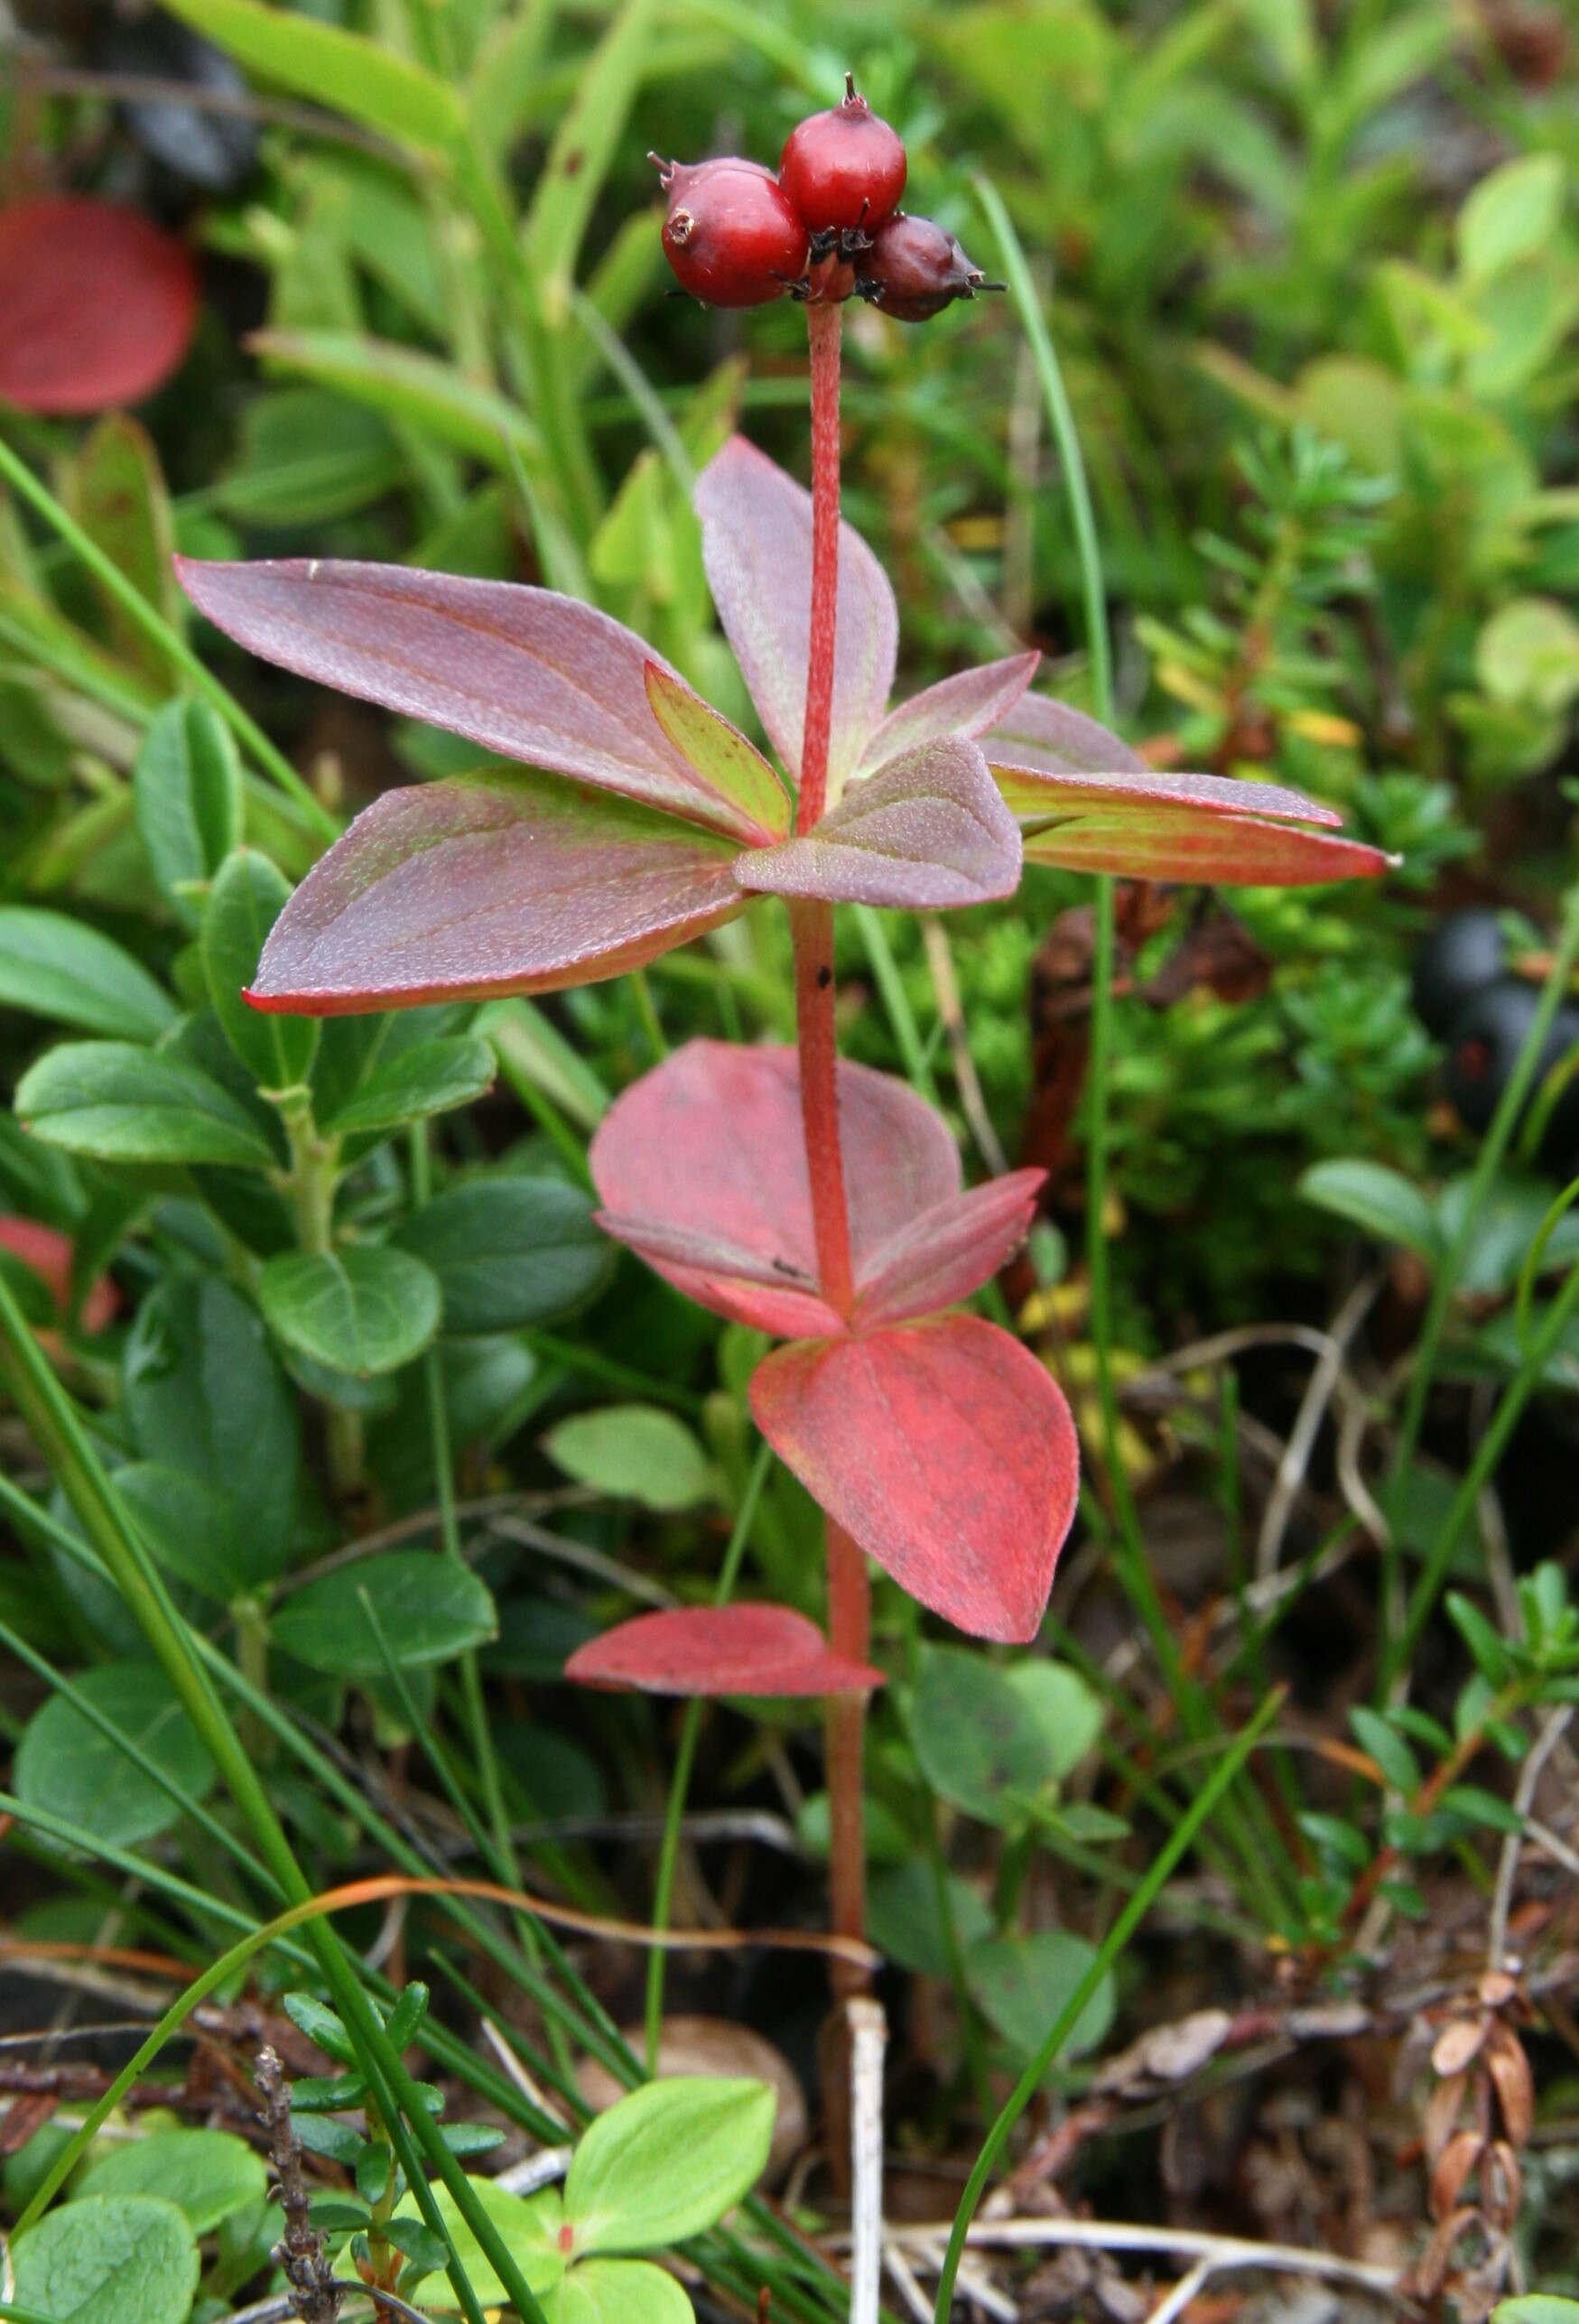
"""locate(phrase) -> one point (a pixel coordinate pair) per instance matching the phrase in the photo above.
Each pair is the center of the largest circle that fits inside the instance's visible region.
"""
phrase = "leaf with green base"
(428, 1078)
(207, 2173)
(56, 967)
(109, 2259)
(666, 2161)
(636, 1452)
(120, 1103)
(620, 2292)
(187, 801)
(248, 894)
(359, 78)
(64, 1761)
(411, 388)
(363, 1309)
(509, 1250)
(427, 1609)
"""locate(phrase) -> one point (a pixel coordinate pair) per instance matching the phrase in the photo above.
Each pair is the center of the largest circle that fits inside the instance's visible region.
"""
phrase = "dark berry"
(842, 170)
(1463, 953)
(1488, 1034)
(914, 270)
(214, 147)
(729, 236)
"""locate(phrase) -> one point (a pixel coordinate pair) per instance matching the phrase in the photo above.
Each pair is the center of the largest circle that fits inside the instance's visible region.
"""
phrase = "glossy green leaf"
(363, 78)
(428, 1609)
(248, 894)
(192, 1529)
(55, 967)
(109, 2259)
(529, 2224)
(509, 1250)
(1022, 1983)
(65, 1763)
(124, 1104)
(362, 1309)
(187, 800)
(635, 1451)
(666, 2161)
(208, 2173)
(1384, 1203)
(584, 144)
(429, 1077)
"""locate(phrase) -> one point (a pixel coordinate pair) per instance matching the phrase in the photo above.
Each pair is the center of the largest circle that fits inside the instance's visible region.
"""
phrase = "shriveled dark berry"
(1488, 1034)
(1463, 953)
(843, 170)
(729, 234)
(914, 270)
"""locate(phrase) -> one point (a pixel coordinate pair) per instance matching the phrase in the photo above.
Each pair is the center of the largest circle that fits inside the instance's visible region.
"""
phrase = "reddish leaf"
(947, 1252)
(945, 1450)
(719, 753)
(97, 306)
(757, 546)
(506, 883)
(744, 1649)
(1051, 739)
(930, 830)
(525, 672)
(50, 1254)
(969, 704)
(701, 1166)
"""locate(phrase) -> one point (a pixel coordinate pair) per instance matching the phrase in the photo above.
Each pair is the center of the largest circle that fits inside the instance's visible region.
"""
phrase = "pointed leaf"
(507, 883)
(710, 1148)
(525, 672)
(1045, 737)
(96, 305)
(1146, 837)
(972, 702)
(54, 966)
(363, 1309)
(948, 1252)
(248, 894)
(409, 387)
(121, 1103)
(719, 753)
(367, 79)
(929, 831)
(429, 1077)
(757, 546)
(187, 800)
(945, 1450)
(741, 1650)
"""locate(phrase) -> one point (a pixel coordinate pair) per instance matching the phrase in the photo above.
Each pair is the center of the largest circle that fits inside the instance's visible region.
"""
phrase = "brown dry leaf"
(1515, 2085)
(1441, 2113)
(1458, 2045)
(1167, 2053)
(1454, 2165)
(1432, 2267)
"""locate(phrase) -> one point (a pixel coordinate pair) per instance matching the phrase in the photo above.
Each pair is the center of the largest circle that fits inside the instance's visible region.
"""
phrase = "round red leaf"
(96, 305)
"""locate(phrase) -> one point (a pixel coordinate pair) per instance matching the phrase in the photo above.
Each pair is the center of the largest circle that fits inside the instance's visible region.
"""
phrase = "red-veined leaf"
(97, 306)
(496, 884)
(1050, 739)
(969, 704)
(708, 1147)
(525, 672)
(743, 1649)
(719, 753)
(945, 1450)
(930, 831)
(757, 546)
(947, 1252)
(1146, 830)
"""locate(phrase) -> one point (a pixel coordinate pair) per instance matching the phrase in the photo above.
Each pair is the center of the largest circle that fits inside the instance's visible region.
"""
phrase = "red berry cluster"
(828, 225)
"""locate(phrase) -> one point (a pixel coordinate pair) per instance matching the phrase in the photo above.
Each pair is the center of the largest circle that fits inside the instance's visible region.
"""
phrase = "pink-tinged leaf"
(1044, 737)
(708, 1147)
(1185, 836)
(97, 306)
(947, 1252)
(498, 884)
(757, 546)
(525, 672)
(969, 704)
(945, 1450)
(930, 831)
(744, 1649)
(719, 753)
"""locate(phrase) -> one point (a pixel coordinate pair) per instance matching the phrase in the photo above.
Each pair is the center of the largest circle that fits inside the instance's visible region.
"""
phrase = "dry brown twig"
(300, 2251)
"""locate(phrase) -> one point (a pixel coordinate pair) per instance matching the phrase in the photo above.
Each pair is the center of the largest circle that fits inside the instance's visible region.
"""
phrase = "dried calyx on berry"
(914, 270)
(729, 234)
(843, 174)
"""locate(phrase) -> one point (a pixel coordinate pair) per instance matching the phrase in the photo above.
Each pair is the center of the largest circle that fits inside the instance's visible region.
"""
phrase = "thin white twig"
(909, 2290)
(869, 2037)
(519, 2076)
(1312, 1411)
(1174, 2303)
(1117, 2235)
(1529, 1775)
(940, 960)
(539, 2170)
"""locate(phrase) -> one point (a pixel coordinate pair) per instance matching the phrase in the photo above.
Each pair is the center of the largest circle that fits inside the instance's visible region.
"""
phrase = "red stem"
(811, 926)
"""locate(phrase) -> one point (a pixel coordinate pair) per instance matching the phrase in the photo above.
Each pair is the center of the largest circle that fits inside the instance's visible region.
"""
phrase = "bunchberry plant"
(817, 1201)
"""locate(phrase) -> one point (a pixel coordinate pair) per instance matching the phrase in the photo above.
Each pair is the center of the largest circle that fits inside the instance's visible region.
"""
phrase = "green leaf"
(365, 1310)
(1529, 652)
(404, 2019)
(55, 967)
(204, 1393)
(1387, 1748)
(413, 389)
(248, 894)
(109, 2259)
(321, 2025)
(529, 2226)
(622, 2292)
(979, 1736)
(431, 1077)
(306, 457)
(187, 801)
(426, 2250)
(1492, 1657)
(509, 1252)
(905, 1923)
(584, 144)
(191, 1528)
(1481, 1806)
(1021, 1984)
(635, 1451)
(208, 2173)
(1371, 1196)
(64, 1763)
(427, 1608)
(115, 490)
(362, 78)
(666, 2161)
(1536, 2307)
(1070, 1714)
(1512, 213)
(121, 1103)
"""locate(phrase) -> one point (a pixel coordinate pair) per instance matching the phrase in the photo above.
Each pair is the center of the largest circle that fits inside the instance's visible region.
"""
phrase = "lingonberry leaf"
(757, 546)
(525, 672)
(710, 1148)
(740, 1649)
(972, 702)
(97, 306)
(507, 883)
(947, 1252)
(944, 1449)
(930, 830)
(719, 753)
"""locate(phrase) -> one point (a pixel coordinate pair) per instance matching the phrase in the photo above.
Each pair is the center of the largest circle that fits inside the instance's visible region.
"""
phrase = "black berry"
(914, 270)
(1462, 955)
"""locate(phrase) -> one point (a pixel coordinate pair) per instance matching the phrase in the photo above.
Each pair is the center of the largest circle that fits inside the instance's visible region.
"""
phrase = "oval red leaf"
(744, 1649)
(97, 306)
(947, 1252)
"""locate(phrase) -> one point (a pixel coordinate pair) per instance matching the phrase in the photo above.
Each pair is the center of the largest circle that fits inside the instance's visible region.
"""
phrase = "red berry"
(914, 270)
(843, 170)
(729, 236)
